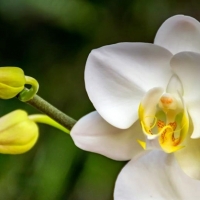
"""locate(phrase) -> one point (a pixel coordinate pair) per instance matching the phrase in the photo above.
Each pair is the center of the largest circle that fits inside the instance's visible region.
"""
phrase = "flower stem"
(51, 111)
(40, 118)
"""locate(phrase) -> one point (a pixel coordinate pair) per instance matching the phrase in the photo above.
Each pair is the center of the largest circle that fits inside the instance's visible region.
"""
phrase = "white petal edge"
(187, 67)
(117, 76)
(189, 157)
(93, 133)
(179, 33)
(157, 176)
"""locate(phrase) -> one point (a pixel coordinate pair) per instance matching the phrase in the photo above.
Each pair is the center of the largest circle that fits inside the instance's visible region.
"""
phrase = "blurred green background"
(50, 40)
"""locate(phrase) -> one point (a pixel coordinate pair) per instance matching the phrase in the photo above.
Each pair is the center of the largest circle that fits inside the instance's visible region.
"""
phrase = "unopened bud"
(18, 133)
(12, 81)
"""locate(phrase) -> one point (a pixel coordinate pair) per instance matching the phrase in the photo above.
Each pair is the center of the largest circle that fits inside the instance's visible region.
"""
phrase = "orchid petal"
(179, 33)
(93, 133)
(189, 157)
(175, 86)
(117, 76)
(155, 175)
(186, 66)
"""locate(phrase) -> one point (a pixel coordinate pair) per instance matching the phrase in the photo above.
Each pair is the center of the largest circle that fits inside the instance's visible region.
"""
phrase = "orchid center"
(163, 117)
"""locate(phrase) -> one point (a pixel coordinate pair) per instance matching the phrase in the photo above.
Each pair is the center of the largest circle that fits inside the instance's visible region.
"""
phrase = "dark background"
(50, 40)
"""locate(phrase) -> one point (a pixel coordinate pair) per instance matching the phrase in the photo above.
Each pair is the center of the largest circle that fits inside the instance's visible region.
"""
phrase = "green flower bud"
(12, 81)
(18, 133)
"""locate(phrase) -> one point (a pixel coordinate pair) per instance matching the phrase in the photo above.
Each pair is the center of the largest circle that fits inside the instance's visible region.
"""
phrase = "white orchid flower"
(148, 95)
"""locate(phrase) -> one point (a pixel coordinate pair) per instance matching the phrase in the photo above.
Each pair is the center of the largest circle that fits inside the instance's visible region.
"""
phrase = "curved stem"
(27, 94)
(40, 118)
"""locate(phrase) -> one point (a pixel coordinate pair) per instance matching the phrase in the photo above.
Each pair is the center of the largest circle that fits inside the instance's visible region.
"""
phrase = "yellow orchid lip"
(165, 118)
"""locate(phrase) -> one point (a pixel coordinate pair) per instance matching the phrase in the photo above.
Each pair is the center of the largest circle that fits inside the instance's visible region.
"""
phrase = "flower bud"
(12, 81)
(18, 133)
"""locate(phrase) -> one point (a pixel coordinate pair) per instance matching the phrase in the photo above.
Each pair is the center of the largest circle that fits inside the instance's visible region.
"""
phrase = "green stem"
(27, 94)
(52, 112)
(40, 118)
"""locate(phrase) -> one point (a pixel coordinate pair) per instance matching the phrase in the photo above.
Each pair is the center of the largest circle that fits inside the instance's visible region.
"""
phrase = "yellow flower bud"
(18, 133)
(12, 81)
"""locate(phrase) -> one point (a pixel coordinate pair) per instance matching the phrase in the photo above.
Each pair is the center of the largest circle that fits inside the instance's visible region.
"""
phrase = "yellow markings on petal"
(171, 139)
(140, 111)
(142, 144)
(149, 128)
(147, 111)
(147, 123)
(164, 116)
